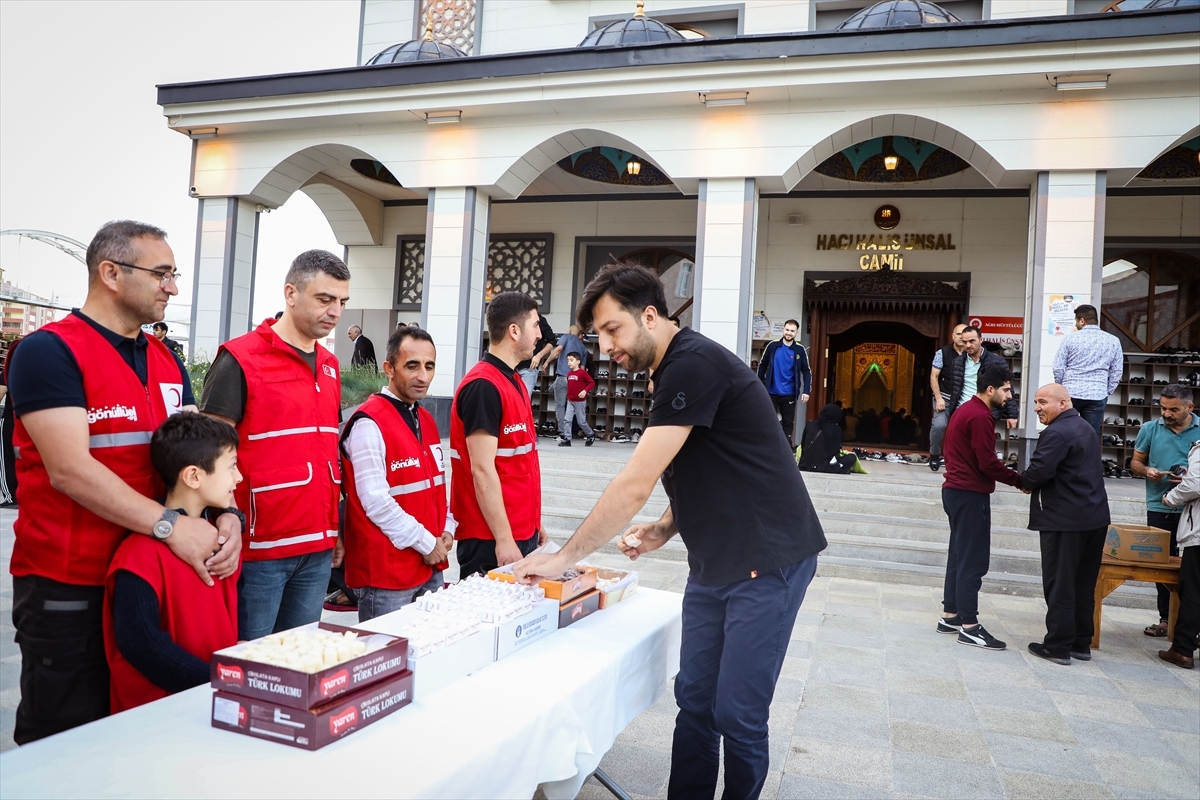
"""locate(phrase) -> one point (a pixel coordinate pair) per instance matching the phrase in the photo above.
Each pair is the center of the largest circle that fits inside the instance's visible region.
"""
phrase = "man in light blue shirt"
(1163, 444)
(1089, 364)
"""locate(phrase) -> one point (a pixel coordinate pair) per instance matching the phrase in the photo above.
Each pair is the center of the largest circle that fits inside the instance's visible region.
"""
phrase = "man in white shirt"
(1089, 364)
(398, 529)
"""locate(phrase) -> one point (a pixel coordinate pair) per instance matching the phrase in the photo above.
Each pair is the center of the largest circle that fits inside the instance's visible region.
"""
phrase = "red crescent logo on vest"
(335, 682)
(342, 721)
(328, 370)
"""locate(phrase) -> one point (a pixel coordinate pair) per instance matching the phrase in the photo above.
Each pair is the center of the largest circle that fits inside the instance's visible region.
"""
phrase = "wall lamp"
(202, 133)
(442, 117)
(633, 166)
(712, 99)
(1071, 83)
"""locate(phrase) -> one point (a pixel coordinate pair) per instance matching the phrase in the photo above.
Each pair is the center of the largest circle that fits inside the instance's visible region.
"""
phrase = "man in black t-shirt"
(543, 350)
(742, 509)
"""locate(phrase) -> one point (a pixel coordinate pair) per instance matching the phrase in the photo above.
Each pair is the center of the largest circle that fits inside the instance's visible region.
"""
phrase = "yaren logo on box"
(232, 674)
(343, 721)
(335, 682)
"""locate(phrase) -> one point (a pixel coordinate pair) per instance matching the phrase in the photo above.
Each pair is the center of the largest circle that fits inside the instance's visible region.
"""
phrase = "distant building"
(21, 319)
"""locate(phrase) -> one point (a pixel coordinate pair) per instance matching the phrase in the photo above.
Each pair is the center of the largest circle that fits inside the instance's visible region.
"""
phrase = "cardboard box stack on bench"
(1137, 544)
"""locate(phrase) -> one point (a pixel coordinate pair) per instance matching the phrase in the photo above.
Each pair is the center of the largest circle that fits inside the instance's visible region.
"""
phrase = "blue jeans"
(1092, 411)
(734, 640)
(373, 602)
(282, 593)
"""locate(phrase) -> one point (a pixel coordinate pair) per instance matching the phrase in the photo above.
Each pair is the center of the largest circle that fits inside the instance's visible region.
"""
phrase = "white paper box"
(446, 665)
(520, 631)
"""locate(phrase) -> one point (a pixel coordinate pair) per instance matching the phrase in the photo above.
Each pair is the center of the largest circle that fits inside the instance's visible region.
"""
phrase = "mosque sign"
(885, 251)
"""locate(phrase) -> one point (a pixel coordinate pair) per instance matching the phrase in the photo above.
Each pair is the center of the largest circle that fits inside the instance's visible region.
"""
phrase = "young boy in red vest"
(161, 622)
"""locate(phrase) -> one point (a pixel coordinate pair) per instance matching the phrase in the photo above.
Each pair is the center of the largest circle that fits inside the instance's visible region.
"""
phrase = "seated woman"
(821, 444)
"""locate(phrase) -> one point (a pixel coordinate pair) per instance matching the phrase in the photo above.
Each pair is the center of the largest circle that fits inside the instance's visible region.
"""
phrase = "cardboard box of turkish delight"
(1139, 544)
(436, 664)
(577, 609)
(615, 585)
(563, 589)
(313, 728)
(357, 661)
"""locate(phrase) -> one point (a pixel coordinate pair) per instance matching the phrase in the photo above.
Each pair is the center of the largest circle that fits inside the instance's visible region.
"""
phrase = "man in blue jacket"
(784, 370)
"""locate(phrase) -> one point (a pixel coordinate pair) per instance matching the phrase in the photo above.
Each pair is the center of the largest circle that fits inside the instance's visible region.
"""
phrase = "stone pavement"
(873, 703)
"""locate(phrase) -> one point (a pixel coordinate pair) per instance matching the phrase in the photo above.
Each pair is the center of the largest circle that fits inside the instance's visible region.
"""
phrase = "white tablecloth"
(545, 715)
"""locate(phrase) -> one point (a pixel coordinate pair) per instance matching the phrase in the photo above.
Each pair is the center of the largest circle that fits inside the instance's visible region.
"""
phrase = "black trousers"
(1070, 564)
(786, 408)
(1158, 519)
(479, 555)
(64, 674)
(1187, 626)
(970, 551)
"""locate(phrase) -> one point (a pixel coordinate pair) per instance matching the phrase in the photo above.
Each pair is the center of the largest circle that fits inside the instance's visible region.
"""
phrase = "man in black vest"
(939, 379)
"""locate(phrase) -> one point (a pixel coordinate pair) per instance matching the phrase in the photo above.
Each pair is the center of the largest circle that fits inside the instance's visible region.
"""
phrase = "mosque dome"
(897, 13)
(423, 49)
(638, 29)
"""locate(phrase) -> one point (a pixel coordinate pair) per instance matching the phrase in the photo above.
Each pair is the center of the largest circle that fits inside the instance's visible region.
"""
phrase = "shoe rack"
(618, 406)
(1006, 441)
(1135, 401)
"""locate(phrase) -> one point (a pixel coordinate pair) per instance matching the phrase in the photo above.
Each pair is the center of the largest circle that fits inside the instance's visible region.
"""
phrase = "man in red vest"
(397, 533)
(496, 494)
(282, 391)
(89, 391)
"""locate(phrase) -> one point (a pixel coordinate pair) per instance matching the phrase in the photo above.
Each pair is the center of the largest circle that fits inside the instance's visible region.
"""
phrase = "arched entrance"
(873, 338)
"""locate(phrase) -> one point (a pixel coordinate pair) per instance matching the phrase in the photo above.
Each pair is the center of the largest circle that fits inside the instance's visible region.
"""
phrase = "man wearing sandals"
(1161, 446)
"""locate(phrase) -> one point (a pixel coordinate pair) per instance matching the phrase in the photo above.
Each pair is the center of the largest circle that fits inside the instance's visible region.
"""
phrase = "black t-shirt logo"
(679, 402)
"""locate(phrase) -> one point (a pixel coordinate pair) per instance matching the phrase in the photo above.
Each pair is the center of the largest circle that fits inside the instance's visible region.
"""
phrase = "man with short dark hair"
(496, 493)
(89, 392)
(783, 369)
(713, 441)
(364, 350)
(972, 470)
(282, 391)
(940, 382)
(1161, 446)
(1089, 363)
(160, 333)
(397, 532)
(1069, 507)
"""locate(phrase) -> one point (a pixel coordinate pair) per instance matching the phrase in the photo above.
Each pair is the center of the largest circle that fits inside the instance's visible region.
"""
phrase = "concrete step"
(930, 554)
(920, 531)
(924, 509)
(584, 500)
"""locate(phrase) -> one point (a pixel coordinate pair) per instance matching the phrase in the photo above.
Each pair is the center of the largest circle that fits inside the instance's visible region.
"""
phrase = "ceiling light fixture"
(202, 133)
(890, 159)
(633, 166)
(1071, 83)
(712, 99)
(442, 117)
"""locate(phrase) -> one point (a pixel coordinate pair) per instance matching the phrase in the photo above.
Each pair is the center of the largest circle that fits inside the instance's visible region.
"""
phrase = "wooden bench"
(1113, 573)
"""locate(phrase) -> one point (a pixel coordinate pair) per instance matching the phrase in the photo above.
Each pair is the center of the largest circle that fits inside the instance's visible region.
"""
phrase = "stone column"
(456, 252)
(1066, 256)
(726, 235)
(223, 283)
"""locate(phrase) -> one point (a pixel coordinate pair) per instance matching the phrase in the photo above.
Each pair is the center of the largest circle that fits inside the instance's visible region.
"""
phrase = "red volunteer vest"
(198, 618)
(287, 447)
(516, 461)
(56, 537)
(418, 483)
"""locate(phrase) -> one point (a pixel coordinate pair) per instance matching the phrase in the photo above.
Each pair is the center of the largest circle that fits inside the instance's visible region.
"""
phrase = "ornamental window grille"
(520, 263)
(453, 22)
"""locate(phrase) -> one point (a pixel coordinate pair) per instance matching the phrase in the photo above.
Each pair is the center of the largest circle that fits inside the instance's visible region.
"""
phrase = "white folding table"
(545, 715)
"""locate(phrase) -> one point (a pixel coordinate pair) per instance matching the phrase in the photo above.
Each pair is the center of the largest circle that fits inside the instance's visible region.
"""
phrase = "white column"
(726, 236)
(1066, 256)
(456, 251)
(223, 283)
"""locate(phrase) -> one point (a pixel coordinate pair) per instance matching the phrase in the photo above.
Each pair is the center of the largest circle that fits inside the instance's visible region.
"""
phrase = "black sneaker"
(1082, 655)
(979, 637)
(589, 441)
(935, 463)
(564, 441)
(949, 624)
(1039, 650)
